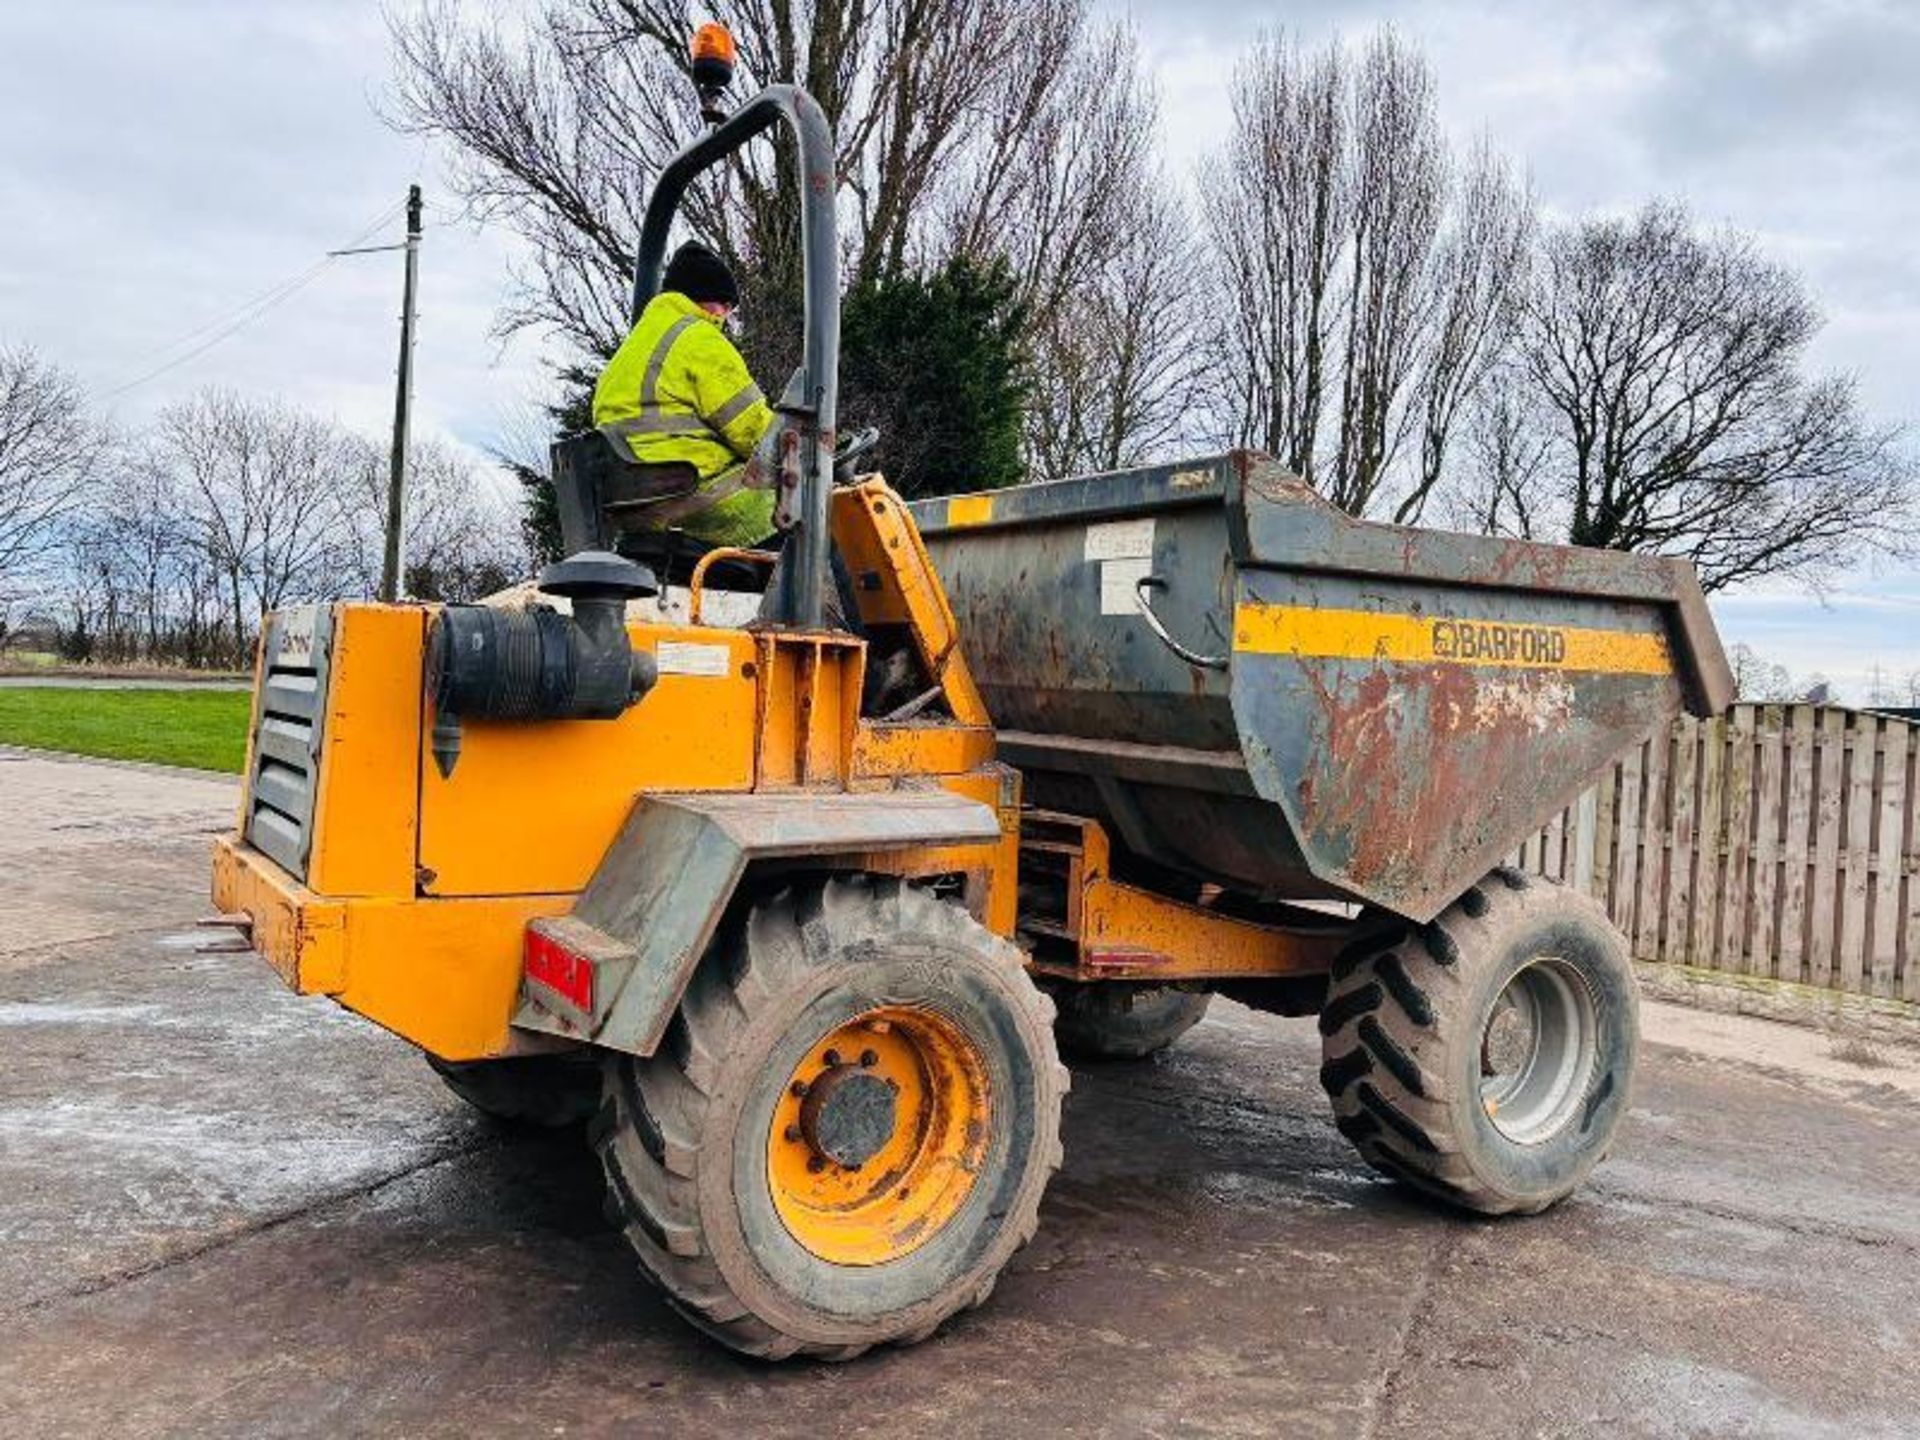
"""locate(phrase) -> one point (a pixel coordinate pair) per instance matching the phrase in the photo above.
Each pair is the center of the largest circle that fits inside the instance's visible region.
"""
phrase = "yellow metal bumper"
(444, 974)
(300, 934)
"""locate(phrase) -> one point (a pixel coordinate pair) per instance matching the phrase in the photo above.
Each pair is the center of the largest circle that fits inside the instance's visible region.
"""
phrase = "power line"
(237, 320)
(265, 295)
(269, 302)
(262, 298)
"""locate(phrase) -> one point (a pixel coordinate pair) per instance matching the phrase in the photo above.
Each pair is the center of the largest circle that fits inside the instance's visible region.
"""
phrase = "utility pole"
(391, 569)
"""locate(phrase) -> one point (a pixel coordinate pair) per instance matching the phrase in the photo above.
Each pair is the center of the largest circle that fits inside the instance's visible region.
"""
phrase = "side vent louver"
(286, 737)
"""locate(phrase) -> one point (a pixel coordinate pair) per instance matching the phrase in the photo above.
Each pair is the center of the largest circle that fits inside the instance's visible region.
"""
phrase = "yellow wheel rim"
(879, 1136)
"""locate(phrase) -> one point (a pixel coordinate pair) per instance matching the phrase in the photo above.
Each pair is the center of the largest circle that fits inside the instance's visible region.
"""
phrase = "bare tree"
(558, 130)
(139, 543)
(959, 138)
(1758, 679)
(462, 537)
(132, 580)
(231, 507)
(1068, 192)
(1118, 359)
(267, 492)
(1478, 280)
(1506, 453)
(1672, 367)
(1399, 178)
(50, 449)
(552, 133)
(1066, 145)
(1276, 204)
(1365, 288)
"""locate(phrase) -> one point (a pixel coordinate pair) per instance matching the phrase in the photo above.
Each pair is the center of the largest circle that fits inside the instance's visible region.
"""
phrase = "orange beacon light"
(714, 55)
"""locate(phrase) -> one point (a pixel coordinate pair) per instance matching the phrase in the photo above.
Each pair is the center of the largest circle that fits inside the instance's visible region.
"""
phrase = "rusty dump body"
(1330, 708)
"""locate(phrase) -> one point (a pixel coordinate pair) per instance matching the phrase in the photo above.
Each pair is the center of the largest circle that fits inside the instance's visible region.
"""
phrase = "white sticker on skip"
(1120, 582)
(684, 657)
(1120, 540)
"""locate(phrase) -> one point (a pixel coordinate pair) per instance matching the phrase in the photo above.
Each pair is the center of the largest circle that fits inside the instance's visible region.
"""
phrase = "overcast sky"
(167, 163)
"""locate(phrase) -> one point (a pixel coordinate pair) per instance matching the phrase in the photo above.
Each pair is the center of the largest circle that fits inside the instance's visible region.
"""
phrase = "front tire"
(848, 1128)
(1485, 1058)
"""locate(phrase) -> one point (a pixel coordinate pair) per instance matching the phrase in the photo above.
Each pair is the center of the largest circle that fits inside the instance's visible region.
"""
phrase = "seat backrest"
(581, 466)
(603, 495)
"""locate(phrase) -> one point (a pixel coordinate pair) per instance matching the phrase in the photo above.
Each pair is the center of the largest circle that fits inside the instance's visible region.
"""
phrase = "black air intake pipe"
(537, 664)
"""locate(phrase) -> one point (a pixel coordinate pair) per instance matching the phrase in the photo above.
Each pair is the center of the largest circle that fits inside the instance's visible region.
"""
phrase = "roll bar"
(811, 403)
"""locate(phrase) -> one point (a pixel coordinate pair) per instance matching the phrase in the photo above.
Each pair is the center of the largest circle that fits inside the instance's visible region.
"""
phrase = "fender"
(612, 971)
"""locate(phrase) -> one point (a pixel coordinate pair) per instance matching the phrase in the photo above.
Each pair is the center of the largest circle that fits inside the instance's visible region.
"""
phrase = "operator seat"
(603, 498)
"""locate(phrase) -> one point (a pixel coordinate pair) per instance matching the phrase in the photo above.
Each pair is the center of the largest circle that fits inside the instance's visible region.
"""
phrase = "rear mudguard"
(612, 971)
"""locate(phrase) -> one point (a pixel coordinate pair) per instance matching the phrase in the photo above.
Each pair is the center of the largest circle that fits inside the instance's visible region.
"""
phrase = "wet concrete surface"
(227, 1211)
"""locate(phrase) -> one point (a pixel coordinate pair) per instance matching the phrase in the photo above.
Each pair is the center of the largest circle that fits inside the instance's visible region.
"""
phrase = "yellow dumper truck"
(795, 916)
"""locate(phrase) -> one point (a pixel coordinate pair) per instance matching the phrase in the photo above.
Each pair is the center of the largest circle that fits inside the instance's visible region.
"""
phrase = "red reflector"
(568, 975)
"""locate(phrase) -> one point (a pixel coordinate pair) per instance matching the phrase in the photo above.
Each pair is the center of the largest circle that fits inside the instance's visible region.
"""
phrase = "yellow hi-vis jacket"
(677, 390)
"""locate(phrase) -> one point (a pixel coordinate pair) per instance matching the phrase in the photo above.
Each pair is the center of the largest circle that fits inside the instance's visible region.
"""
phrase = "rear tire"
(1110, 1020)
(1485, 1058)
(542, 1092)
(784, 1204)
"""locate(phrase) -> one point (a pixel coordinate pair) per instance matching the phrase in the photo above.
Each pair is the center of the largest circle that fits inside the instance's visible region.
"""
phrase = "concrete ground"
(225, 1211)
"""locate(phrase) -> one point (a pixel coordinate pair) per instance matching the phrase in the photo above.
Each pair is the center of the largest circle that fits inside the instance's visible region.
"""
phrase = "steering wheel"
(852, 449)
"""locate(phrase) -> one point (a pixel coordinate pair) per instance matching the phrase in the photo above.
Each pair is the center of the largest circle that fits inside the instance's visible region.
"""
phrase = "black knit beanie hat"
(700, 275)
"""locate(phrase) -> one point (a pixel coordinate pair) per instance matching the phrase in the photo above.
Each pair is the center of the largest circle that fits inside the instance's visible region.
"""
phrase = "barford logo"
(1490, 640)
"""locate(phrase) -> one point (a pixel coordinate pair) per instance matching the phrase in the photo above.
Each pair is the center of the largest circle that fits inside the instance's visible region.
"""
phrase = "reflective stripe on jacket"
(677, 390)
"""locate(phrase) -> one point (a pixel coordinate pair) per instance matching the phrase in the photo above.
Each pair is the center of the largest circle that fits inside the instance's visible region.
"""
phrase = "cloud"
(166, 162)
(1776, 83)
(1798, 120)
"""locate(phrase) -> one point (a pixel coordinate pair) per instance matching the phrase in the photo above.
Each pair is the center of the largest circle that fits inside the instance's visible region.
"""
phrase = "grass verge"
(200, 729)
(27, 662)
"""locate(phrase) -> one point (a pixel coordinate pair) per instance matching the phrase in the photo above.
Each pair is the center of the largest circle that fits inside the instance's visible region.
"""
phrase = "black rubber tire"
(1403, 1026)
(682, 1134)
(1108, 1020)
(542, 1092)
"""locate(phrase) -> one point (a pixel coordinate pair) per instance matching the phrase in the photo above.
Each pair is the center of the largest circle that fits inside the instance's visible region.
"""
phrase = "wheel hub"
(879, 1135)
(847, 1116)
(1508, 1041)
(1538, 1051)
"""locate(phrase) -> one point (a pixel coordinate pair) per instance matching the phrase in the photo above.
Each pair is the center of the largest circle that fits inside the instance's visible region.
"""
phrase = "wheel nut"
(792, 1132)
(815, 1165)
(831, 1058)
(799, 1089)
(869, 1058)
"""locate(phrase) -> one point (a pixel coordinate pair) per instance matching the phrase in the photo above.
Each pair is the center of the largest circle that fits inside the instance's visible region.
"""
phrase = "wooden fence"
(1779, 841)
